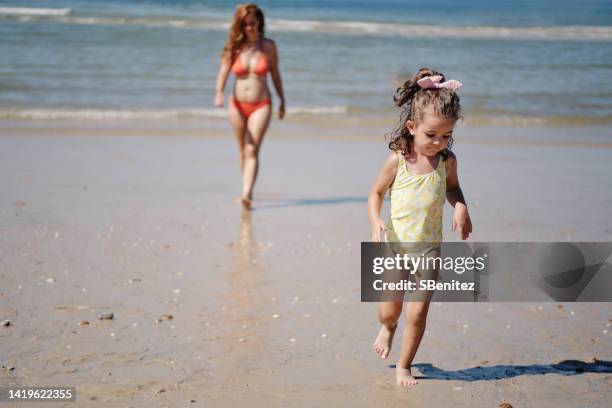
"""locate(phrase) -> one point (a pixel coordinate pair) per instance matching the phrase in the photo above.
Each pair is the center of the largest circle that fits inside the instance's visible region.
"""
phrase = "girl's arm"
(224, 70)
(454, 195)
(377, 194)
(276, 78)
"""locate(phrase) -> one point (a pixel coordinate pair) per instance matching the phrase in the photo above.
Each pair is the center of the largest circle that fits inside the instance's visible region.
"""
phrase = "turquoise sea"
(539, 62)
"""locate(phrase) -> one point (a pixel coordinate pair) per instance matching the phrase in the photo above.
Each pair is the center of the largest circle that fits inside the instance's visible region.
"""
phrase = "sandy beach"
(213, 306)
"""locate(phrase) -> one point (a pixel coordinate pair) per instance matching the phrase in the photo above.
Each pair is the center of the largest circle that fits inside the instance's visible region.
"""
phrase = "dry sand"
(265, 305)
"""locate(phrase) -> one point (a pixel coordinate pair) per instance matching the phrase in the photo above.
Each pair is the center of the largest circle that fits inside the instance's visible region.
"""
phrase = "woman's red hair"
(236, 36)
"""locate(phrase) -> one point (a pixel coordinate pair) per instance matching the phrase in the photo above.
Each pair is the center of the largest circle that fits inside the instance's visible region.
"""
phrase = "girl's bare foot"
(404, 377)
(382, 344)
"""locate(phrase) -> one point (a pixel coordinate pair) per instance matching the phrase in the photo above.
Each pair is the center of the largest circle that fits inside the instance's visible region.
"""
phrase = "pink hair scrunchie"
(435, 82)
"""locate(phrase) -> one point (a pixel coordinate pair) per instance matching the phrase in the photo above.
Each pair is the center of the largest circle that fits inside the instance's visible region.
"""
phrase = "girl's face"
(432, 133)
(250, 26)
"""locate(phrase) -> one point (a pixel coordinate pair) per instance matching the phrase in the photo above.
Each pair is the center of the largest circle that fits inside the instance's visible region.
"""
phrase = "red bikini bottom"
(246, 109)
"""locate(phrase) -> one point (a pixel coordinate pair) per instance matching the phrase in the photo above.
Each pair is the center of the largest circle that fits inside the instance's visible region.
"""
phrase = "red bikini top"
(261, 69)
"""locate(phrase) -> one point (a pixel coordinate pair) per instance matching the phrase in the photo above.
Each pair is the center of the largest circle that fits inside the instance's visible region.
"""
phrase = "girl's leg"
(257, 124)
(239, 124)
(388, 314)
(416, 318)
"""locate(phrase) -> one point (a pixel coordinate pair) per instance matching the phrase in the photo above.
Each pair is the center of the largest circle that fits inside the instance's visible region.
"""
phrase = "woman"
(250, 56)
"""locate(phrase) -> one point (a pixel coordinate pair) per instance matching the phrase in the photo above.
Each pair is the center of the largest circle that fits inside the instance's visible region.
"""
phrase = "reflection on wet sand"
(244, 299)
(244, 273)
(246, 305)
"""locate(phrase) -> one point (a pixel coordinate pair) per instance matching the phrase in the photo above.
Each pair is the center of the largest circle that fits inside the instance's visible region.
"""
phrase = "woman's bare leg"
(257, 124)
(416, 318)
(388, 314)
(239, 124)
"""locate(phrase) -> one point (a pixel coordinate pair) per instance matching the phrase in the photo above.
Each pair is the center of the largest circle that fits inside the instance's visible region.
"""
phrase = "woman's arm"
(224, 70)
(276, 77)
(377, 194)
(454, 195)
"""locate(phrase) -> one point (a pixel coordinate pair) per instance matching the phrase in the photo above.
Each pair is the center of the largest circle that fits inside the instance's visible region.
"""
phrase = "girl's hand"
(281, 110)
(462, 221)
(378, 229)
(219, 99)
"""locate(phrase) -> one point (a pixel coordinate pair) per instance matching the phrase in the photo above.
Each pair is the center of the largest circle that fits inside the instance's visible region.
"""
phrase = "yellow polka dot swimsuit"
(417, 201)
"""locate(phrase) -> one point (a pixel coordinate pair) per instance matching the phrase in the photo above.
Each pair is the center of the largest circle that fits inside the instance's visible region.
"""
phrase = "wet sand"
(265, 305)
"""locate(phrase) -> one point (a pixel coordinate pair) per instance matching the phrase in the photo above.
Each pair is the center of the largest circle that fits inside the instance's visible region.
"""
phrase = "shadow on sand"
(498, 372)
(303, 202)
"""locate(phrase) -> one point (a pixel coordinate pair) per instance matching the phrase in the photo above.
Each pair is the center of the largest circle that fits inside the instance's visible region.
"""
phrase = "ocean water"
(540, 62)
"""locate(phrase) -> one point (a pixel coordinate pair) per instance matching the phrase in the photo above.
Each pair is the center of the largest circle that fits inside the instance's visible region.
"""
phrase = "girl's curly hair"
(414, 100)
(236, 36)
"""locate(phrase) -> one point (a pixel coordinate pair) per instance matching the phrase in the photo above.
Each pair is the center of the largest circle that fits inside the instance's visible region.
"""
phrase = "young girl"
(419, 173)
